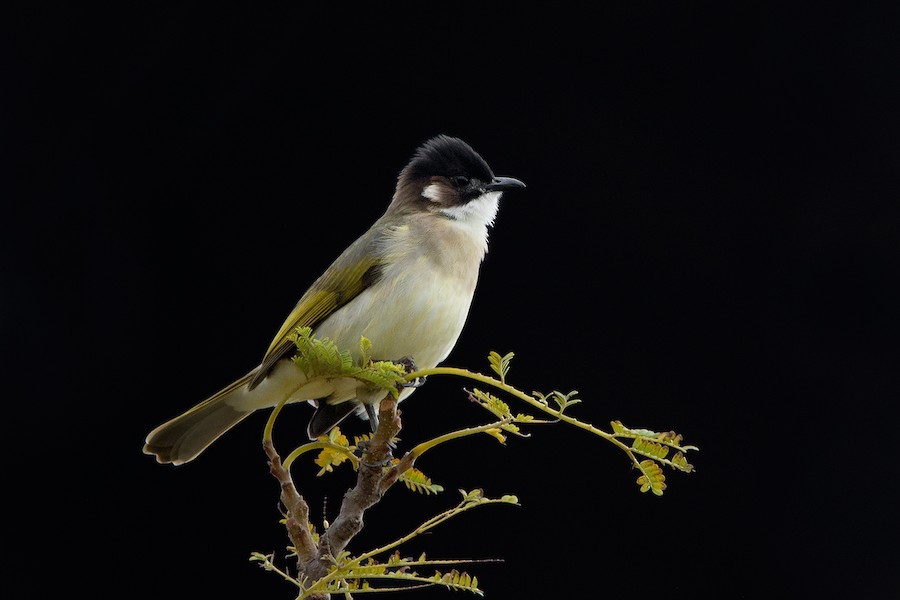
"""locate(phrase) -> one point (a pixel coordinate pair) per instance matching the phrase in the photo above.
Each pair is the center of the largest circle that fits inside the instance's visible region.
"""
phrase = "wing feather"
(335, 288)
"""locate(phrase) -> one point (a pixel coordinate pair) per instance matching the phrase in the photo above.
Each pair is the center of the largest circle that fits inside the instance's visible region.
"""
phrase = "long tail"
(184, 437)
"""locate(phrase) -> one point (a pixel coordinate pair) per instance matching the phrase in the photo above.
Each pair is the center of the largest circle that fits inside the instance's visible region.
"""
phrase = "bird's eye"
(460, 181)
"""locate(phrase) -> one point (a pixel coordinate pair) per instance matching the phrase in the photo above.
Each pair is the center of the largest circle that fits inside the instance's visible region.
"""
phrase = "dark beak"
(499, 184)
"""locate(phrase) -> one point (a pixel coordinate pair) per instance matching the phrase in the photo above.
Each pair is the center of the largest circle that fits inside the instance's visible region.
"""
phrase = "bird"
(406, 285)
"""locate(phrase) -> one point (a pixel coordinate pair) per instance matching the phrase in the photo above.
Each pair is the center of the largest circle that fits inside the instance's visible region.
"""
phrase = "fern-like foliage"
(365, 573)
(402, 569)
(562, 401)
(338, 452)
(645, 443)
(651, 478)
(500, 409)
(500, 364)
(417, 481)
(397, 571)
(654, 446)
(320, 357)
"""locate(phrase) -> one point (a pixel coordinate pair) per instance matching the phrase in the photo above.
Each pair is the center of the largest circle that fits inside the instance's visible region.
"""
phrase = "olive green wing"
(335, 288)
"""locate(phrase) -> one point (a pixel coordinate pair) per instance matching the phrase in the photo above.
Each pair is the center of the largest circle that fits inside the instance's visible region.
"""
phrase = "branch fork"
(314, 560)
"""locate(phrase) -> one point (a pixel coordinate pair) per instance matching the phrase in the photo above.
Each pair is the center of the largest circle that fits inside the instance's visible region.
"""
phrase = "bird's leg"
(409, 366)
(363, 447)
(373, 416)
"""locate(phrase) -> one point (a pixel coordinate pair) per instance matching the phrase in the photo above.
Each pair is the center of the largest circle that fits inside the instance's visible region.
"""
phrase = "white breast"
(420, 304)
(414, 310)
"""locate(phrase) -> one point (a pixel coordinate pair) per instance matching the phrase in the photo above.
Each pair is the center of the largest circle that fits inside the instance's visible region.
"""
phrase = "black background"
(708, 243)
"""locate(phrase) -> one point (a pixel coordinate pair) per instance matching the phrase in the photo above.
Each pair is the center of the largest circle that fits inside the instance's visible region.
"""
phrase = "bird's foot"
(415, 383)
(410, 366)
(362, 449)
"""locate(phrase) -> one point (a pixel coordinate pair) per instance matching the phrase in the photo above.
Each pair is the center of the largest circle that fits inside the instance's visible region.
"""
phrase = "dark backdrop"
(708, 243)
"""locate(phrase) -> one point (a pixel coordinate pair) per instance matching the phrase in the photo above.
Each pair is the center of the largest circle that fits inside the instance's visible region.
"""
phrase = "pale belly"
(420, 318)
(421, 321)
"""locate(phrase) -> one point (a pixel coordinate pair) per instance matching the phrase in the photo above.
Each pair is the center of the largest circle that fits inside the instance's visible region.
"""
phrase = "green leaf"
(496, 433)
(563, 401)
(492, 403)
(649, 448)
(383, 374)
(365, 346)
(500, 364)
(652, 477)
(329, 458)
(417, 481)
(475, 496)
(680, 462)
(320, 357)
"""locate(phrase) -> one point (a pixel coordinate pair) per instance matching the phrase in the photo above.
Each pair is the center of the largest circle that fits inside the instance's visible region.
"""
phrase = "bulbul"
(406, 284)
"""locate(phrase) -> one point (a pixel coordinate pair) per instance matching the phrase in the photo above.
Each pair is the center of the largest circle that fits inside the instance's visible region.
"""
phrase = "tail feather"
(186, 436)
(181, 439)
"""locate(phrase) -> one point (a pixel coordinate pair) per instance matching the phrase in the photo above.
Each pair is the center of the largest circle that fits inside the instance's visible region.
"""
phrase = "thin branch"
(368, 492)
(521, 396)
(297, 511)
(318, 446)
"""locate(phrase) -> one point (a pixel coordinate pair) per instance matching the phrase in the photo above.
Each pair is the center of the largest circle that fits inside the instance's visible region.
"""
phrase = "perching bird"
(406, 285)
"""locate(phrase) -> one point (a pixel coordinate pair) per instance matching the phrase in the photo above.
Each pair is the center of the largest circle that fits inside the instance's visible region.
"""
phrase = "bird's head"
(448, 177)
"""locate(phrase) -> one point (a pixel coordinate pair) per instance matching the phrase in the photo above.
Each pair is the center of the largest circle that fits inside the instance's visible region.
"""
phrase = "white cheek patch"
(432, 192)
(480, 211)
